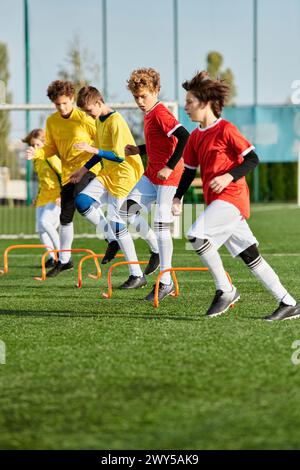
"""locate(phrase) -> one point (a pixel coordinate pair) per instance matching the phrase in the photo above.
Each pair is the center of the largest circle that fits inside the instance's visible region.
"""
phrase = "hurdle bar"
(108, 294)
(15, 247)
(176, 292)
(92, 276)
(74, 250)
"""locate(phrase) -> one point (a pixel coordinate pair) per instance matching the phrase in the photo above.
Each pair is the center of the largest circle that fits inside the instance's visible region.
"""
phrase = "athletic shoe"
(152, 264)
(222, 301)
(50, 263)
(59, 267)
(284, 312)
(111, 251)
(134, 282)
(163, 291)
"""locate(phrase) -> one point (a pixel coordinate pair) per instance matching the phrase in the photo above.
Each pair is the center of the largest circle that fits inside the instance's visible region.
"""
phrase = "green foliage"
(214, 63)
(7, 157)
(79, 66)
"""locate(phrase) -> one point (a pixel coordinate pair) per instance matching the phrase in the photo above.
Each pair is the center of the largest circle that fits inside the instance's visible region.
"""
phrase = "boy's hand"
(77, 175)
(176, 206)
(86, 147)
(131, 150)
(164, 173)
(58, 202)
(30, 153)
(219, 183)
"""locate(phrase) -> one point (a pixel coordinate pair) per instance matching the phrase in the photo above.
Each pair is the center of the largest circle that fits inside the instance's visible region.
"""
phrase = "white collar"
(203, 129)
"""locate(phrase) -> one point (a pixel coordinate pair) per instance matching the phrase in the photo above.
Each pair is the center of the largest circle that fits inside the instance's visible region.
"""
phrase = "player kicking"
(116, 179)
(47, 202)
(225, 157)
(65, 128)
(165, 140)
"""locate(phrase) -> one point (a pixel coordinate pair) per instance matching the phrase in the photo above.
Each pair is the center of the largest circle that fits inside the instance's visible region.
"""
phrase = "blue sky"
(141, 34)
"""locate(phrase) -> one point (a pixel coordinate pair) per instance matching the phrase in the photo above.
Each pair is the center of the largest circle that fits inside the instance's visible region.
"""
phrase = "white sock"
(146, 233)
(52, 233)
(212, 260)
(66, 233)
(267, 276)
(46, 240)
(96, 217)
(127, 246)
(165, 244)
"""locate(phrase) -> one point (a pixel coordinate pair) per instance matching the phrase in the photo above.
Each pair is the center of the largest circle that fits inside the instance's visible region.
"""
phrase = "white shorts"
(223, 224)
(145, 193)
(50, 213)
(97, 191)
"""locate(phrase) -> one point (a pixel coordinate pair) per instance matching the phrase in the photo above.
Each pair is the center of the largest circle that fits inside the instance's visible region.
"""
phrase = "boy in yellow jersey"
(68, 126)
(118, 176)
(48, 197)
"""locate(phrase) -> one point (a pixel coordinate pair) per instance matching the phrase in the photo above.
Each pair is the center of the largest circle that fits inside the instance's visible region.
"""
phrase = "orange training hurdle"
(108, 295)
(15, 247)
(176, 293)
(92, 276)
(75, 250)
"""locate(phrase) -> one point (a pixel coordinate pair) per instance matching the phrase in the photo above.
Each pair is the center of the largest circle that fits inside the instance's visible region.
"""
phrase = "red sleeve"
(166, 121)
(238, 143)
(190, 157)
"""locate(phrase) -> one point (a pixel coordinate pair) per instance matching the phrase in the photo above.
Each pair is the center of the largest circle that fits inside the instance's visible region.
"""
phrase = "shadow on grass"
(153, 315)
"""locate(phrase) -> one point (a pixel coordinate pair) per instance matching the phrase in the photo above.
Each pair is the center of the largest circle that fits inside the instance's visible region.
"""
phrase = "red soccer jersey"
(159, 125)
(217, 149)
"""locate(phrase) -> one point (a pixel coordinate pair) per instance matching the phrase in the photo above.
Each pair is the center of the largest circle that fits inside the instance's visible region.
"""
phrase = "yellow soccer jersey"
(62, 134)
(48, 173)
(112, 135)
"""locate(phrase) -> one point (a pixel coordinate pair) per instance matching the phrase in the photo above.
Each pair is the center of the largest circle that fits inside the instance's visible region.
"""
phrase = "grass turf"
(83, 372)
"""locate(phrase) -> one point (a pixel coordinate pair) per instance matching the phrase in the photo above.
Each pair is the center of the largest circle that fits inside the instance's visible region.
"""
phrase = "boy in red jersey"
(165, 140)
(225, 157)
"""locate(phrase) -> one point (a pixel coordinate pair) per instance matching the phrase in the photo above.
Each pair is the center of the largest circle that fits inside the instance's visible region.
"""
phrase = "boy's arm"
(182, 135)
(186, 180)
(251, 160)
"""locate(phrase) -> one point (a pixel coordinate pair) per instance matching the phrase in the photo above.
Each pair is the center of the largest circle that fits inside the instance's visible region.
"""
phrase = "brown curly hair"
(60, 88)
(144, 78)
(205, 89)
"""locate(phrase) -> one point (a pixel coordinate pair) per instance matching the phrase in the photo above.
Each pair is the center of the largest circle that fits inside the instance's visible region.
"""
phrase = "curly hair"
(60, 88)
(144, 78)
(88, 94)
(205, 89)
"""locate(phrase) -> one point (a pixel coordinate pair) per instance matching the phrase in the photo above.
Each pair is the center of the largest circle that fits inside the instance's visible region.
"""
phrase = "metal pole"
(104, 49)
(176, 61)
(256, 170)
(27, 93)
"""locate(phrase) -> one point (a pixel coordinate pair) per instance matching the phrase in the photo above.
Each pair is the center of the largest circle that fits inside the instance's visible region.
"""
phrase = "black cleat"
(153, 263)
(134, 282)
(111, 251)
(59, 267)
(222, 301)
(284, 312)
(163, 291)
(50, 263)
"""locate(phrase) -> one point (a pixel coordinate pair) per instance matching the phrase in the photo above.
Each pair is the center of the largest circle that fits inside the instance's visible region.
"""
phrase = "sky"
(140, 33)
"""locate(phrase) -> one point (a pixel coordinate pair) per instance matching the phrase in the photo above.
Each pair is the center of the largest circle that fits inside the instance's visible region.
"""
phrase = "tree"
(7, 158)
(214, 63)
(79, 67)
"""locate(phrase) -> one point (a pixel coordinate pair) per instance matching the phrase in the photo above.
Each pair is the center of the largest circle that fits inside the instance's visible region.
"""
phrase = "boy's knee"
(83, 202)
(130, 207)
(250, 254)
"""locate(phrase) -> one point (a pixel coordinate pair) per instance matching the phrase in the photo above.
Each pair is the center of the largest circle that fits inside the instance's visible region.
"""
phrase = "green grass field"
(83, 372)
